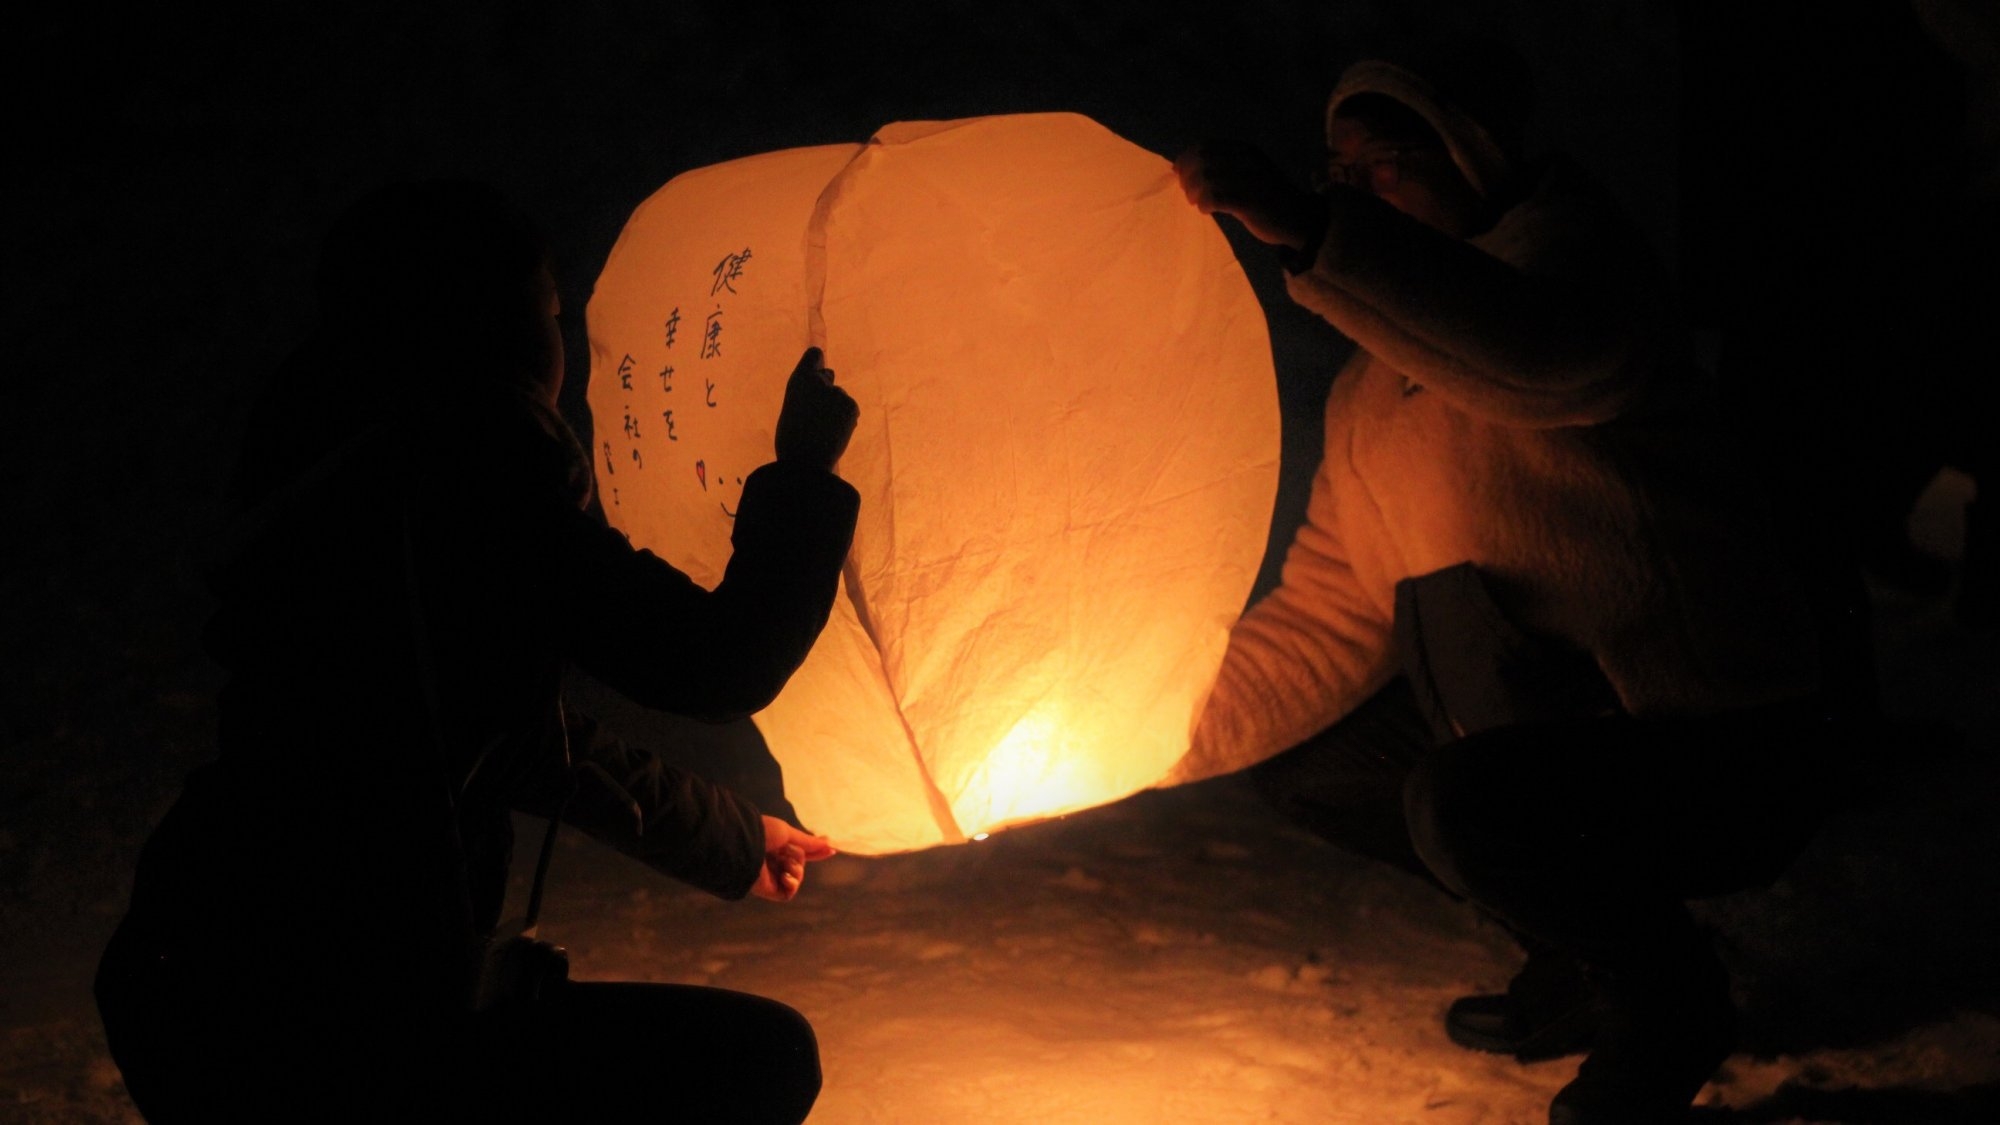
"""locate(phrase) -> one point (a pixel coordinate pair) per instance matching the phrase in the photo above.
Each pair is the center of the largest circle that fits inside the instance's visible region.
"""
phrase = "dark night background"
(171, 169)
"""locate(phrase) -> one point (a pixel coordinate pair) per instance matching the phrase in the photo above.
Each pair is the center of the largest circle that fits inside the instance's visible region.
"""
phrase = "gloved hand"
(817, 418)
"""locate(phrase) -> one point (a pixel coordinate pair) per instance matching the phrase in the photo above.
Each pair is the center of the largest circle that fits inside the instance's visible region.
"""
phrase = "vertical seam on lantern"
(816, 247)
(816, 271)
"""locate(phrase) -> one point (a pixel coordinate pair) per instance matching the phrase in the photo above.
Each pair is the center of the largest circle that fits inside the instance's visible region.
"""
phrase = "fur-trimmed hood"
(1478, 104)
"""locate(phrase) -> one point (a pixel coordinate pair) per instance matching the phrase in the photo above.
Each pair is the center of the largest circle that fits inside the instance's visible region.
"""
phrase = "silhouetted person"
(415, 566)
(1533, 641)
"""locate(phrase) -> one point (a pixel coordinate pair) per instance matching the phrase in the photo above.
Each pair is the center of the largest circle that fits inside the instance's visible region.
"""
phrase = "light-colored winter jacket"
(1514, 403)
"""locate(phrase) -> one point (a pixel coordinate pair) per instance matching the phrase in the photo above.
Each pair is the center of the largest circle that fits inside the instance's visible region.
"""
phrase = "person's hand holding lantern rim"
(787, 850)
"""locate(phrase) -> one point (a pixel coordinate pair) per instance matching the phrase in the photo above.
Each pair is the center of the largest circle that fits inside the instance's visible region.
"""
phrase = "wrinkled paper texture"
(1067, 452)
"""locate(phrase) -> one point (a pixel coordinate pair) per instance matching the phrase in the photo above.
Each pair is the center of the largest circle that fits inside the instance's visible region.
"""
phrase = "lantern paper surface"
(1066, 456)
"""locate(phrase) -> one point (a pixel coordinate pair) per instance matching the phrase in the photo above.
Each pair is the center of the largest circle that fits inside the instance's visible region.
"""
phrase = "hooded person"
(1532, 641)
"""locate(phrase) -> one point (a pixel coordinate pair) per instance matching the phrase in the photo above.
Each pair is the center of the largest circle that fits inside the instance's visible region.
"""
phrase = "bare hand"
(786, 853)
(817, 418)
(1238, 180)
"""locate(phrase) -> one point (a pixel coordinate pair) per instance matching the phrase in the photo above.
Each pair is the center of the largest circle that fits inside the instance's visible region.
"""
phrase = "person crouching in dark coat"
(415, 565)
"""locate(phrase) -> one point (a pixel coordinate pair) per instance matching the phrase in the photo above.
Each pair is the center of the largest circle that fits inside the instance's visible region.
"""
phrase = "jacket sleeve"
(1548, 321)
(1300, 659)
(671, 820)
(655, 635)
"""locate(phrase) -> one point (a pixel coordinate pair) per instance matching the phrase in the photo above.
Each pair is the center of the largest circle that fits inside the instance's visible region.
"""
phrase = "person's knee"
(1506, 807)
(1351, 764)
(1446, 801)
(796, 1078)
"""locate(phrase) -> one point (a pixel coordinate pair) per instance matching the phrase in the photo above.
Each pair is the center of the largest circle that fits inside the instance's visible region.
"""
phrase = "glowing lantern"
(1066, 455)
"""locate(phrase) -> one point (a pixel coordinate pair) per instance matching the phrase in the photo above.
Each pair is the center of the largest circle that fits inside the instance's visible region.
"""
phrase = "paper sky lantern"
(1066, 456)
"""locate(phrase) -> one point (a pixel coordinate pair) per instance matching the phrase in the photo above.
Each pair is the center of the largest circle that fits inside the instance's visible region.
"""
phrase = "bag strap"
(434, 713)
(532, 920)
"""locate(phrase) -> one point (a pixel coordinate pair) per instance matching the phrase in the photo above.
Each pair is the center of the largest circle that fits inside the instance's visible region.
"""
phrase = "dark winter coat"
(395, 622)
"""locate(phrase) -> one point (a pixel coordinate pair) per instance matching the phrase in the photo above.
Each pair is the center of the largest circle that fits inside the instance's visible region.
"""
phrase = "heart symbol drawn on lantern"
(701, 474)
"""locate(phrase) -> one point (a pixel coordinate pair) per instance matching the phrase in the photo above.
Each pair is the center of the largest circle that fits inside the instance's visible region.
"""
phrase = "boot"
(1550, 1009)
(1664, 1031)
